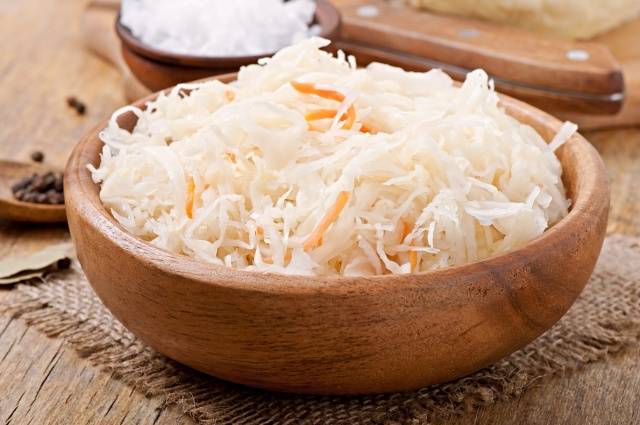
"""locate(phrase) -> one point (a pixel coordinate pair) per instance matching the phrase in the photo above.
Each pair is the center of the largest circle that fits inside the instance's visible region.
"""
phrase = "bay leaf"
(38, 261)
(21, 277)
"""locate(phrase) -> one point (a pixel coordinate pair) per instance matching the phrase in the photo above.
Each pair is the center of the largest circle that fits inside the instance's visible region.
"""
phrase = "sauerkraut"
(309, 165)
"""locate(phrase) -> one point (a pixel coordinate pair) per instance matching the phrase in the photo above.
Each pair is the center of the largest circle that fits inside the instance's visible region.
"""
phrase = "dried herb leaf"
(39, 261)
(21, 277)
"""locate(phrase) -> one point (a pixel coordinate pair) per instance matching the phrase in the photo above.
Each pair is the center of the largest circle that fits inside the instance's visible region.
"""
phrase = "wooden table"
(42, 381)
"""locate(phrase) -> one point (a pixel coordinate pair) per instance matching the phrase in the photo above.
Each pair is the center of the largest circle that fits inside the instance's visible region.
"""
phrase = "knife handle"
(561, 73)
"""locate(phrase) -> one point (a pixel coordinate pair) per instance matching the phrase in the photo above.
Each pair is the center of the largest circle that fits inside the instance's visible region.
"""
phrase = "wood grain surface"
(405, 38)
(44, 382)
(533, 67)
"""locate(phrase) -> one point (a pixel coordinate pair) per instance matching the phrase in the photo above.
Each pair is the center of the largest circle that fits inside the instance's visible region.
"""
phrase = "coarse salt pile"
(219, 28)
(309, 165)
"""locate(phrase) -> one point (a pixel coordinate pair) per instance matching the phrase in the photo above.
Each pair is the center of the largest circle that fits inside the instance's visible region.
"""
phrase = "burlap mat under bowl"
(605, 319)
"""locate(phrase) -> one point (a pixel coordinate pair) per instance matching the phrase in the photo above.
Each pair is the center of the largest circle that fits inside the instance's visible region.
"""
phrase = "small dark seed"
(55, 197)
(58, 199)
(19, 194)
(41, 198)
(38, 184)
(23, 183)
(49, 181)
(79, 106)
(64, 263)
(29, 197)
(37, 156)
(58, 183)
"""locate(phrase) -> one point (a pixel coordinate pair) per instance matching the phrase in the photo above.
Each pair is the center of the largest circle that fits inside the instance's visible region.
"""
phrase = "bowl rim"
(327, 15)
(592, 195)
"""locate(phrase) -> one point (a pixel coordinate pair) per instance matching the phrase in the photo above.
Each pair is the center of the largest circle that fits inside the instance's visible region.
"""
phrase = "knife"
(552, 73)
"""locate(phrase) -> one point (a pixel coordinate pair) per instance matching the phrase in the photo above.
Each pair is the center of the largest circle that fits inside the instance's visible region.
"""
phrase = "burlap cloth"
(604, 320)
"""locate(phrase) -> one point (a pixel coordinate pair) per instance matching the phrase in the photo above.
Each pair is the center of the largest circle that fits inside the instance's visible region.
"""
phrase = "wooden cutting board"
(533, 67)
(98, 27)
(98, 24)
(624, 43)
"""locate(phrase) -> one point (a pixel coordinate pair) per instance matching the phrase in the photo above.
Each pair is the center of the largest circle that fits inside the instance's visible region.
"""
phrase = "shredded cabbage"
(308, 165)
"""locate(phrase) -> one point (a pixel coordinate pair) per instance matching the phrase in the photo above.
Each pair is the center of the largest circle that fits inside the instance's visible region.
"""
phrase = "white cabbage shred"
(427, 176)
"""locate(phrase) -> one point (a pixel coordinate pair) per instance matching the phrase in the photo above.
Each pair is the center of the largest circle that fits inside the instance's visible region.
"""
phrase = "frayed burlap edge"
(604, 320)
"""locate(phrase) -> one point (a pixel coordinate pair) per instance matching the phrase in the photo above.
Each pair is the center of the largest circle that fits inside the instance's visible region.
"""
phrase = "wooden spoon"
(15, 210)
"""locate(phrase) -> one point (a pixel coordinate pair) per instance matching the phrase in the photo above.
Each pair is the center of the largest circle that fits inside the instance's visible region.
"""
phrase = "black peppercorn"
(40, 188)
(37, 156)
(57, 185)
(79, 106)
(21, 184)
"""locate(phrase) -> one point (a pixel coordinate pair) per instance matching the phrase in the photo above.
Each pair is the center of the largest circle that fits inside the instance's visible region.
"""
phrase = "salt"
(219, 27)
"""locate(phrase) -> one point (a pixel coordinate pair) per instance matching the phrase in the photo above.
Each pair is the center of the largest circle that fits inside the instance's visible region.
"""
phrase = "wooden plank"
(408, 36)
(510, 53)
(596, 396)
(45, 382)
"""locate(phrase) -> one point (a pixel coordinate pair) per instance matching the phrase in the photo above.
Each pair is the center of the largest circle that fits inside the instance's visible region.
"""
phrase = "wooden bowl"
(342, 335)
(157, 69)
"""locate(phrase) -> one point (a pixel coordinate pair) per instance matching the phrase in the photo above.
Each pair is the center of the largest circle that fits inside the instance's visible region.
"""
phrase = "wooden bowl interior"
(580, 185)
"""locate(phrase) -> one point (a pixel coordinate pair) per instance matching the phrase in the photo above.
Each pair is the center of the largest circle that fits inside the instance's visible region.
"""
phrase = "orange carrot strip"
(351, 118)
(315, 238)
(365, 129)
(314, 128)
(287, 257)
(320, 114)
(229, 95)
(413, 255)
(310, 88)
(405, 231)
(191, 187)
(260, 231)
(413, 260)
(231, 156)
